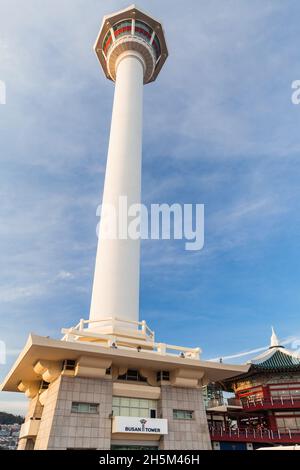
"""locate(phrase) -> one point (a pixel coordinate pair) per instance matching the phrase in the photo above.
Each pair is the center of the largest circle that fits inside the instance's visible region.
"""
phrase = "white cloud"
(65, 275)
(13, 293)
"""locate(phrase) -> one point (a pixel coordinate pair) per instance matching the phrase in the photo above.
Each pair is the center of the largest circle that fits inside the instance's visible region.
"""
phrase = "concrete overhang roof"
(40, 347)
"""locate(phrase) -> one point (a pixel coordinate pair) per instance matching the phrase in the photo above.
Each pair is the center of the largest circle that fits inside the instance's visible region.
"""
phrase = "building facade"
(266, 407)
(91, 395)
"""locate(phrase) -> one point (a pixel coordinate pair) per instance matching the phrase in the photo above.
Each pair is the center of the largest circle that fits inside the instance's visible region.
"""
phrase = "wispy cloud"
(65, 275)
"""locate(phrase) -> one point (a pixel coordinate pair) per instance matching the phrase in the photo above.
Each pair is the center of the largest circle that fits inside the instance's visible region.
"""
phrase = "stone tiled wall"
(62, 429)
(184, 434)
(35, 410)
(43, 436)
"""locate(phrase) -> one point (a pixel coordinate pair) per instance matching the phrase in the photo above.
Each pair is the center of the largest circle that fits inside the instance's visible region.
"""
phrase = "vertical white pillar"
(116, 280)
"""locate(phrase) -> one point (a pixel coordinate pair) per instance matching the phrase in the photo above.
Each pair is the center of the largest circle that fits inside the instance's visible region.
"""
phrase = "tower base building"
(93, 391)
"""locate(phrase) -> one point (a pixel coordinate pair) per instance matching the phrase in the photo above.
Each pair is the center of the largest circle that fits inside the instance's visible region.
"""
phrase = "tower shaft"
(116, 279)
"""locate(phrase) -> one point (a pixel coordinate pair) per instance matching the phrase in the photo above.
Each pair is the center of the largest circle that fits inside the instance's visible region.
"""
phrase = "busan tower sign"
(131, 49)
(107, 383)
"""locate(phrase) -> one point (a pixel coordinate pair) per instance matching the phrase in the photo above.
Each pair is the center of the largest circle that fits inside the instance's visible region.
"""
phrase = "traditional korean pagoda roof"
(275, 359)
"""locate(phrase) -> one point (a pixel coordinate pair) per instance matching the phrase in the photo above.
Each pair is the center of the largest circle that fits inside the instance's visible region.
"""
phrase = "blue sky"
(219, 129)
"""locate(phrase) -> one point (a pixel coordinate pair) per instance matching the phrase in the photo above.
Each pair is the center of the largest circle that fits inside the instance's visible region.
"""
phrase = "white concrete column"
(117, 270)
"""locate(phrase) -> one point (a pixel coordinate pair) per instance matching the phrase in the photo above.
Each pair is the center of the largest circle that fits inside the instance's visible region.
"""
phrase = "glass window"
(286, 423)
(124, 401)
(290, 423)
(107, 42)
(123, 28)
(280, 423)
(84, 407)
(156, 46)
(44, 385)
(132, 375)
(163, 375)
(183, 414)
(125, 406)
(69, 364)
(143, 30)
(116, 400)
(135, 402)
(135, 412)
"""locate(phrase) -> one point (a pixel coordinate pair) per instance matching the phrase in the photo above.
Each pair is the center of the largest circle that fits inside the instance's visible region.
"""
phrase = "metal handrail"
(271, 401)
(248, 433)
(78, 331)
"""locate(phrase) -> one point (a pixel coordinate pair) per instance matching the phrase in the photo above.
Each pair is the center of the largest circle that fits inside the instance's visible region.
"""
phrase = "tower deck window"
(143, 30)
(122, 28)
(107, 42)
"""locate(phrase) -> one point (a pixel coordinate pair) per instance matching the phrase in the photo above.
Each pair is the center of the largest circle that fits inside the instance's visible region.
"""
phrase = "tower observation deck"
(132, 31)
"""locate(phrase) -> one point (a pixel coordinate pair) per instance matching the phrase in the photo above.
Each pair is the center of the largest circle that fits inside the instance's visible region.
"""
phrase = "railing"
(141, 326)
(255, 435)
(81, 333)
(273, 402)
(215, 402)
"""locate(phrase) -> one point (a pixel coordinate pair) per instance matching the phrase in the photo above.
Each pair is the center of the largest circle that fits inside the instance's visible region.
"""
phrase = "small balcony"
(30, 428)
(272, 403)
(288, 436)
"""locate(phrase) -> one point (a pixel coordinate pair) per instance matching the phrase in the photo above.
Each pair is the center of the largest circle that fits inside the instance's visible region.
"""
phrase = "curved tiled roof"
(275, 358)
(279, 359)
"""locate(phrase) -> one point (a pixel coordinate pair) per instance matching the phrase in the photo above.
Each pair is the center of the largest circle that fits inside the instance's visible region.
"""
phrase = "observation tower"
(131, 49)
(107, 384)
